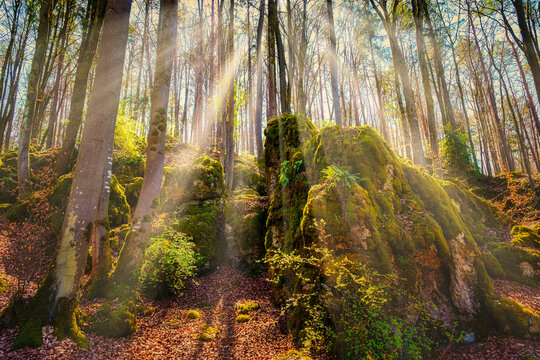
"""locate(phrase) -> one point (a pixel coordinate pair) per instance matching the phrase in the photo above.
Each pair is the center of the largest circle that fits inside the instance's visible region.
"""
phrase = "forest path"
(169, 334)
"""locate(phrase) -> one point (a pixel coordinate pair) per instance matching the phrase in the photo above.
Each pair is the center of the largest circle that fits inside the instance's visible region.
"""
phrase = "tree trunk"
(260, 82)
(57, 297)
(422, 59)
(42, 40)
(284, 89)
(96, 13)
(272, 83)
(132, 252)
(229, 122)
(332, 62)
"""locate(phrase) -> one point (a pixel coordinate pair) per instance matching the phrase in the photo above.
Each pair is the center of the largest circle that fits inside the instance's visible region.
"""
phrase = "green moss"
(202, 179)
(119, 210)
(493, 266)
(114, 322)
(525, 236)
(205, 337)
(66, 322)
(200, 221)
(243, 318)
(128, 167)
(203, 305)
(193, 314)
(248, 175)
(294, 355)
(247, 307)
(518, 264)
(133, 190)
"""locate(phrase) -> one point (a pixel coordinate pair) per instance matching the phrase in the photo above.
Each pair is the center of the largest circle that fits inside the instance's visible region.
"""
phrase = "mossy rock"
(248, 175)
(525, 236)
(503, 315)
(119, 210)
(133, 190)
(193, 314)
(18, 212)
(518, 264)
(200, 220)
(113, 322)
(8, 187)
(117, 236)
(247, 307)
(128, 167)
(202, 179)
(493, 267)
(243, 318)
(245, 225)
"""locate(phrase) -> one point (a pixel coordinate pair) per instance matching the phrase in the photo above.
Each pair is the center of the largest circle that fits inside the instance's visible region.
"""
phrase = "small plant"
(247, 307)
(193, 314)
(343, 177)
(457, 155)
(205, 337)
(169, 260)
(289, 172)
(235, 282)
(242, 318)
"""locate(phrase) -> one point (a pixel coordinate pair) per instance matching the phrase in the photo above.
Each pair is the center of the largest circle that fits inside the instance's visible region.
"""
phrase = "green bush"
(343, 306)
(168, 261)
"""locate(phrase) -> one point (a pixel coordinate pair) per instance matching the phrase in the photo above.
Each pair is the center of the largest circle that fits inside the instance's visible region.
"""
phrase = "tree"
(132, 252)
(94, 14)
(332, 62)
(42, 41)
(57, 297)
(260, 82)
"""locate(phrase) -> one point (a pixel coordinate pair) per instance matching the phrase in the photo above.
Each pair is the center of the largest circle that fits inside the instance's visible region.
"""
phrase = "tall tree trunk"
(132, 252)
(260, 82)
(57, 296)
(505, 151)
(96, 13)
(284, 89)
(529, 48)
(229, 122)
(42, 40)
(333, 63)
(272, 83)
(422, 59)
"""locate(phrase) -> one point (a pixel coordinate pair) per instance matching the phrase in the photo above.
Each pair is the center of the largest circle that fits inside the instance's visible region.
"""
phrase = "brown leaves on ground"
(526, 295)
(494, 349)
(169, 334)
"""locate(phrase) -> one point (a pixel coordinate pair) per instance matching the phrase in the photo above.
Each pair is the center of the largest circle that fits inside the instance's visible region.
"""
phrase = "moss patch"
(247, 307)
(243, 318)
(193, 314)
(525, 236)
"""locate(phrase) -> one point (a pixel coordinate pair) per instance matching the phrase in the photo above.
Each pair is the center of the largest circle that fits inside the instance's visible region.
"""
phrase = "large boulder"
(346, 192)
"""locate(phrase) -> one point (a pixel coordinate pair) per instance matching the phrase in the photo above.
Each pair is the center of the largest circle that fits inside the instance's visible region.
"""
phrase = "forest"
(265, 179)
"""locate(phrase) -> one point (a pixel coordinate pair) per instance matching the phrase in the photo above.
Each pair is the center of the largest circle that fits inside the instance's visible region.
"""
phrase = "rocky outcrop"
(346, 191)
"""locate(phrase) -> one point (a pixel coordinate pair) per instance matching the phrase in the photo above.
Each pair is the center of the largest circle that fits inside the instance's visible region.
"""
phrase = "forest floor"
(168, 334)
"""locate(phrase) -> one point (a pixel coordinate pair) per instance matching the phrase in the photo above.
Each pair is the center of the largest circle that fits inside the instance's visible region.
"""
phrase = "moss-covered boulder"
(346, 192)
(113, 322)
(128, 167)
(200, 220)
(199, 180)
(518, 264)
(133, 190)
(245, 226)
(526, 237)
(248, 175)
(119, 210)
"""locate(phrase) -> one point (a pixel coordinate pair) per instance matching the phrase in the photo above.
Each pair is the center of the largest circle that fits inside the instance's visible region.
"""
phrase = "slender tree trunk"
(332, 62)
(284, 90)
(87, 50)
(42, 40)
(260, 82)
(272, 83)
(229, 122)
(132, 252)
(422, 59)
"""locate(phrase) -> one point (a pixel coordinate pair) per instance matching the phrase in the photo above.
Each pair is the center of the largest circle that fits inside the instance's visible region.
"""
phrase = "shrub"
(193, 314)
(356, 317)
(243, 318)
(168, 261)
(247, 307)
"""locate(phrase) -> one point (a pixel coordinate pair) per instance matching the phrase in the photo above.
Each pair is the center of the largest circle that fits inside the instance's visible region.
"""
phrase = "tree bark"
(132, 252)
(96, 13)
(260, 82)
(332, 62)
(42, 40)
